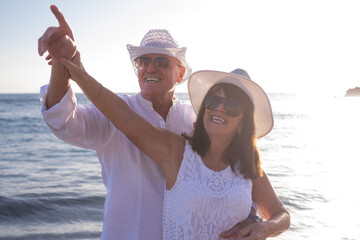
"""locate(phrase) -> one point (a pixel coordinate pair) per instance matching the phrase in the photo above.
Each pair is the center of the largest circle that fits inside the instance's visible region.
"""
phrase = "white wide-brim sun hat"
(159, 41)
(201, 81)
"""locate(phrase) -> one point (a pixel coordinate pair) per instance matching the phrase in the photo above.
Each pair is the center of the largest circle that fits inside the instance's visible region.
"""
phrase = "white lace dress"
(204, 203)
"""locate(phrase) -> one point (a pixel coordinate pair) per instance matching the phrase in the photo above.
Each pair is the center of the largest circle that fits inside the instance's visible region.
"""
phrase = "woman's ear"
(239, 131)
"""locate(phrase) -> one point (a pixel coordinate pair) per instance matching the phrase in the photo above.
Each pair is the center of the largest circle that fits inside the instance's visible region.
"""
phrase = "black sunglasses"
(231, 107)
(143, 62)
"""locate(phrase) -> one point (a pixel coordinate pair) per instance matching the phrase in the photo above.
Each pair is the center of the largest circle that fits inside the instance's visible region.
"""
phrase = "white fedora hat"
(201, 81)
(159, 41)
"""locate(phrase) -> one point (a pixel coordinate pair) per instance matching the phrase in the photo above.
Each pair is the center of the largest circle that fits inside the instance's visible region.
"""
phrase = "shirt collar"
(149, 103)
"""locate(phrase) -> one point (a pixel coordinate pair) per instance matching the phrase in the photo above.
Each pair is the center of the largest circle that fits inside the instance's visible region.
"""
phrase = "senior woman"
(212, 176)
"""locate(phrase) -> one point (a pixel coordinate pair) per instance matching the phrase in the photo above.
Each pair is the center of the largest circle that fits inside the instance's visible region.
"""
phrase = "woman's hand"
(88, 84)
(248, 230)
(74, 66)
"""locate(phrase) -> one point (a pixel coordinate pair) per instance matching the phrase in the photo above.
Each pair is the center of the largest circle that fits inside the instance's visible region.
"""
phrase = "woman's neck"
(215, 157)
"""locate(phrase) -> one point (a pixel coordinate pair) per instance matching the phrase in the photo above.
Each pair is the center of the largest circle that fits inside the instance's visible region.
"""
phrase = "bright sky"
(284, 45)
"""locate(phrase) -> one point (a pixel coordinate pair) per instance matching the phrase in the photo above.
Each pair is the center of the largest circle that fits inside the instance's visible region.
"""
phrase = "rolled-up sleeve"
(80, 125)
(57, 116)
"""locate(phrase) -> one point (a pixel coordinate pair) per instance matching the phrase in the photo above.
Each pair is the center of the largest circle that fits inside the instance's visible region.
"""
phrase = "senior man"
(134, 183)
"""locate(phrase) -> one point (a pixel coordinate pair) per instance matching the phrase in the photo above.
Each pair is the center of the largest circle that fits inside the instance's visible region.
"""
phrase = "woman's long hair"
(242, 152)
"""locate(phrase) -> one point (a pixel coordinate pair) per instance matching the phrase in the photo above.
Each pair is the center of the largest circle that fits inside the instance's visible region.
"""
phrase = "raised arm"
(53, 41)
(60, 78)
(161, 145)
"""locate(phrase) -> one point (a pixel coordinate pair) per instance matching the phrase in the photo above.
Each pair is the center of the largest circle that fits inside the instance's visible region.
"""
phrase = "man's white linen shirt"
(135, 184)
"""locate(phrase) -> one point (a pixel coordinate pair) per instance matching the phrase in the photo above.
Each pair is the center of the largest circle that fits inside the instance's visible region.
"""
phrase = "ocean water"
(51, 190)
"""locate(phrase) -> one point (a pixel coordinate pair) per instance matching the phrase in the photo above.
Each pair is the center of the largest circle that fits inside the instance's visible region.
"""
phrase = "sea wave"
(50, 208)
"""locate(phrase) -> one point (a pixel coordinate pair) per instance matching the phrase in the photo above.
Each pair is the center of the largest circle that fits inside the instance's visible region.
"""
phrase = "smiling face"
(211, 124)
(217, 122)
(159, 80)
(214, 126)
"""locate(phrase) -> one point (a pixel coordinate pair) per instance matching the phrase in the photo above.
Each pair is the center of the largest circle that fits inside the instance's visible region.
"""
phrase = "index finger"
(59, 16)
(64, 26)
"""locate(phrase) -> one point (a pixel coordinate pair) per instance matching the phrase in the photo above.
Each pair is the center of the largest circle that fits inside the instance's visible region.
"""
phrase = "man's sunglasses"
(143, 62)
(231, 107)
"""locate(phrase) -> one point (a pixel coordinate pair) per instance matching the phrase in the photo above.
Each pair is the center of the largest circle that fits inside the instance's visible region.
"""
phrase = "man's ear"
(181, 74)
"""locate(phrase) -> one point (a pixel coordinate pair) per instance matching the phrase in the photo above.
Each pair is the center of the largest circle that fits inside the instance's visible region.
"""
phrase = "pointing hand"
(52, 39)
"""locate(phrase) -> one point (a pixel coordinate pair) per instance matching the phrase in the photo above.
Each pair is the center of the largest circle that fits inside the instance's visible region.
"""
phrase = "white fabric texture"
(135, 184)
(204, 203)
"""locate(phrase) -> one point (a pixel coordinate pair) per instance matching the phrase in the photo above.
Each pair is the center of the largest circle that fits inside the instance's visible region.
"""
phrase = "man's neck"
(161, 104)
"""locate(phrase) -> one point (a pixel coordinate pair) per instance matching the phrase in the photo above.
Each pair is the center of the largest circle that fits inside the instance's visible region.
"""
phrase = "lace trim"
(203, 203)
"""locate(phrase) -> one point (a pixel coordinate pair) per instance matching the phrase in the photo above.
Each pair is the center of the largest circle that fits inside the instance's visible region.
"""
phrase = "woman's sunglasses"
(231, 107)
(143, 62)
